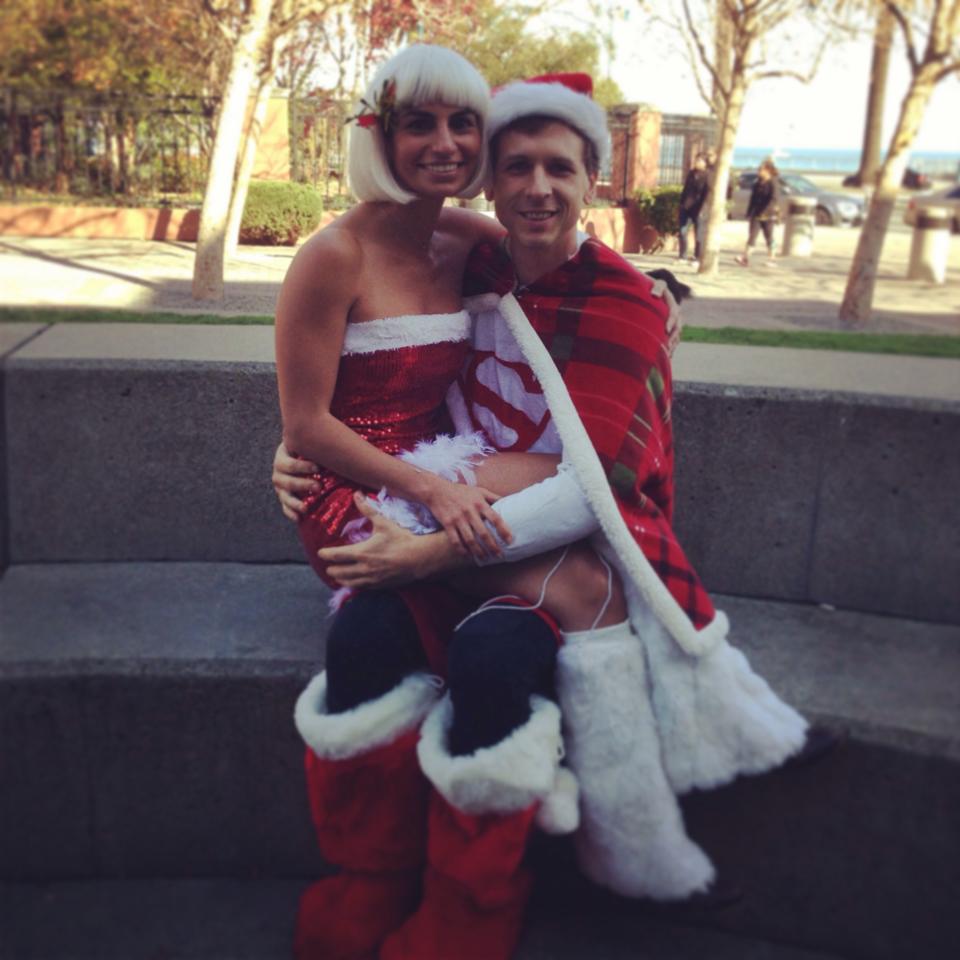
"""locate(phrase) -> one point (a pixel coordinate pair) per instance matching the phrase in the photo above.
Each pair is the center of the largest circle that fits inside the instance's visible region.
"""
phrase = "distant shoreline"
(934, 163)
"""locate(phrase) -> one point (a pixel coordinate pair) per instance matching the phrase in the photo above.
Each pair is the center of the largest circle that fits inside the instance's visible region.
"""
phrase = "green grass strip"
(89, 315)
(904, 344)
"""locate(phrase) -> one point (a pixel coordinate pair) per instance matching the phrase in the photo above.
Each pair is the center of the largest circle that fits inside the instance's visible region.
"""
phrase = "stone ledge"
(253, 920)
(146, 717)
(784, 493)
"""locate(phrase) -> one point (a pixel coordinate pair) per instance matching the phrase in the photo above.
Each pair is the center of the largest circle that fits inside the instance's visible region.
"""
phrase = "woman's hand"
(464, 512)
(292, 480)
(390, 557)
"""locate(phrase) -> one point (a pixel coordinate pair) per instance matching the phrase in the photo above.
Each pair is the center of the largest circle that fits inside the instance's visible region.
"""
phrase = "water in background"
(934, 163)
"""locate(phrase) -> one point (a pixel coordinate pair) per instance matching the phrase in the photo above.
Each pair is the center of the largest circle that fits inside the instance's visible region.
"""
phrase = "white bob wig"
(423, 73)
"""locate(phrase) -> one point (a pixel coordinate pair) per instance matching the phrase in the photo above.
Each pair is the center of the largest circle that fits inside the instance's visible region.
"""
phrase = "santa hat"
(566, 96)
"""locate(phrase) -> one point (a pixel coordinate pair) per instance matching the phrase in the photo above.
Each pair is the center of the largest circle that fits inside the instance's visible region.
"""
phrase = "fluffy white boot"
(631, 837)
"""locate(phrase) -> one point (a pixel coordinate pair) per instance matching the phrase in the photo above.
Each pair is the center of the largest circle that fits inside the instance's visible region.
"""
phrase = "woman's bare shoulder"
(470, 226)
(334, 252)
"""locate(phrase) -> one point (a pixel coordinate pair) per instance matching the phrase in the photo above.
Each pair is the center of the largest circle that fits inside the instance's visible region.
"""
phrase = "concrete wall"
(797, 494)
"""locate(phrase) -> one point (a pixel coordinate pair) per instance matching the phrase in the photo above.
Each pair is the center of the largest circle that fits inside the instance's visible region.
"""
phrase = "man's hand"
(666, 285)
(391, 556)
(292, 480)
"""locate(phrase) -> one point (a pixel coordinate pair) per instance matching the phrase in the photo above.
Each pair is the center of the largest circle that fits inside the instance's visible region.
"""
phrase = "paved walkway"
(798, 293)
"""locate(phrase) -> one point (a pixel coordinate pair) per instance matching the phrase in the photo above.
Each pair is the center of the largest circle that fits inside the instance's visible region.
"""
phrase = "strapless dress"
(391, 388)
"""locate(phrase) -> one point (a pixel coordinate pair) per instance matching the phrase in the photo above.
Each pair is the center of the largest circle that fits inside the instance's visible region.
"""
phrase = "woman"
(763, 211)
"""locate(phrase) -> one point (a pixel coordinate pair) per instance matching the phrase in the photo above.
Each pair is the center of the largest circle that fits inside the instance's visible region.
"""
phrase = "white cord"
(492, 604)
(606, 603)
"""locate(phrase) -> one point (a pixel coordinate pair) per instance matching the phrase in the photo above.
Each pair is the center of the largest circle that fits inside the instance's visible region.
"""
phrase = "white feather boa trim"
(450, 457)
(338, 736)
(520, 770)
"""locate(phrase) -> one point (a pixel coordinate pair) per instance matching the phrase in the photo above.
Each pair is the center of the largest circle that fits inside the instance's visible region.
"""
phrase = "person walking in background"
(693, 197)
(763, 211)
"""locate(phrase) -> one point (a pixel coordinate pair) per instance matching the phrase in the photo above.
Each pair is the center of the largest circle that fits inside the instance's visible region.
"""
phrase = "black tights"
(496, 661)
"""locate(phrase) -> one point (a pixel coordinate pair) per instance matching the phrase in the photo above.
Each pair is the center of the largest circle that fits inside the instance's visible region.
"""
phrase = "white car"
(948, 197)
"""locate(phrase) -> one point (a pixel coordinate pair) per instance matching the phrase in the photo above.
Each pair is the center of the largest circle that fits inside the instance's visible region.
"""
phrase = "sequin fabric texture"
(391, 386)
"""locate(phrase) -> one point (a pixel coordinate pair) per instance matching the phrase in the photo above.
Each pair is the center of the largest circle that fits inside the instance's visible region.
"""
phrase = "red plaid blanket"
(606, 332)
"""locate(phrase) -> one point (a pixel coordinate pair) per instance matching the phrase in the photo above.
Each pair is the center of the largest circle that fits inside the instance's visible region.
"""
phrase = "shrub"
(660, 208)
(278, 213)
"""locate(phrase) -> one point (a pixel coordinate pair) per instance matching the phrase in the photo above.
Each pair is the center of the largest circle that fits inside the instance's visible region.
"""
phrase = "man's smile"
(537, 215)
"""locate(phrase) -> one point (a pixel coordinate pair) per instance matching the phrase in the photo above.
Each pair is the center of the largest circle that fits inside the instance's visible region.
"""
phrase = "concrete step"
(253, 920)
(145, 732)
(800, 480)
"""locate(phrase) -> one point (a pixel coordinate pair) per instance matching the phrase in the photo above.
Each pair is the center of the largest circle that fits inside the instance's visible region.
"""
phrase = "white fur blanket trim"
(338, 736)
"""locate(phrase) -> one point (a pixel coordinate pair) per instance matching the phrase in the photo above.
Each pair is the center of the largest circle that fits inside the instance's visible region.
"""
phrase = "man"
(572, 339)
(693, 196)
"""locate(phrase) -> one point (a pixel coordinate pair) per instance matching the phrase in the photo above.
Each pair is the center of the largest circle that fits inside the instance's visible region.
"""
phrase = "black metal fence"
(682, 137)
(103, 145)
(132, 149)
(318, 146)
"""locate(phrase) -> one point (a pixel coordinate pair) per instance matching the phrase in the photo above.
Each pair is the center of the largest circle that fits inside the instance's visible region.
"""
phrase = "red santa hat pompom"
(566, 96)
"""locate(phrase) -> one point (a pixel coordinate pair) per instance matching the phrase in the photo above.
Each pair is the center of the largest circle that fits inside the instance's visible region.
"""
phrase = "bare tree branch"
(704, 58)
(908, 38)
(692, 56)
(946, 71)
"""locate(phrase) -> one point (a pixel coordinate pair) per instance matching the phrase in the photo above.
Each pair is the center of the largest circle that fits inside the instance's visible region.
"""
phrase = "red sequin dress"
(391, 386)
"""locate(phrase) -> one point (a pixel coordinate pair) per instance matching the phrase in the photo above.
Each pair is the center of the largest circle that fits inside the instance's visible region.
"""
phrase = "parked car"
(832, 208)
(948, 197)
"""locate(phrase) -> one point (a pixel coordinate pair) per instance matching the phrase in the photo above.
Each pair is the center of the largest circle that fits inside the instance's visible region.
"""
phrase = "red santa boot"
(368, 799)
(482, 810)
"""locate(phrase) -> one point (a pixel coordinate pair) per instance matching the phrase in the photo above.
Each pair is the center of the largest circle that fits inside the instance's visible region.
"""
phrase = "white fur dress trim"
(338, 736)
(450, 457)
(520, 770)
(411, 330)
(632, 837)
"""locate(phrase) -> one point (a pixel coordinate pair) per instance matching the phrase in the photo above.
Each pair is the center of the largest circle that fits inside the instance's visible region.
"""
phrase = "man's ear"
(588, 197)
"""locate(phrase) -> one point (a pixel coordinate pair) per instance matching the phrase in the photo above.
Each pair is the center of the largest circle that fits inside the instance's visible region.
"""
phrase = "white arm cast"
(546, 515)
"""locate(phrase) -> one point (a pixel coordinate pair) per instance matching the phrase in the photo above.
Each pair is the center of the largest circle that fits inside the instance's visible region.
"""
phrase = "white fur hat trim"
(522, 99)
(337, 736)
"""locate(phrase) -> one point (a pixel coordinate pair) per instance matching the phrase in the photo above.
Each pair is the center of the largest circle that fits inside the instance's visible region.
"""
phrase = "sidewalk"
(797, 293)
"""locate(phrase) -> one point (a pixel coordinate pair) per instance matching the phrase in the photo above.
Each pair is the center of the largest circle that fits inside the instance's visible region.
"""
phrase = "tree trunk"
(873, 129)
(858, 296)
(247, 158)
(212, 234)
(722, 58)
(717, 212)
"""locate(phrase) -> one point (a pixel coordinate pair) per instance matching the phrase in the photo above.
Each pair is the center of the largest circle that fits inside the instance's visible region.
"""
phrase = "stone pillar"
(798, 233)
(930, 245)
(635, 139)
